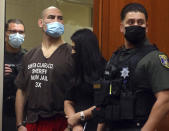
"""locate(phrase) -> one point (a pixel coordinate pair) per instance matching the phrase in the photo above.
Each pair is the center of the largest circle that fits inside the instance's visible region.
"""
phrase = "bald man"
(42, 83)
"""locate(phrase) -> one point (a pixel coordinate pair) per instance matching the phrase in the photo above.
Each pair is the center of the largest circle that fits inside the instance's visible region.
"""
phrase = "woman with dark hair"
(89, 67)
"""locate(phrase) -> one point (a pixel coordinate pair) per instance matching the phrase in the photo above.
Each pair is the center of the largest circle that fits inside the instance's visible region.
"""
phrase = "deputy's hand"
(22, 128)
(8, 70)
(77, 128)
(74, 119)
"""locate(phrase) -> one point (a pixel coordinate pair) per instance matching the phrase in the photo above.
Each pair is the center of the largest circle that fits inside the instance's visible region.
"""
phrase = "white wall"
(75, 16)
(2, 21)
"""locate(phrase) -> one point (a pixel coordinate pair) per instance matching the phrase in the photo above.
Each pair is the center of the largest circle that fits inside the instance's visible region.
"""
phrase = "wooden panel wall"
(107, 28)
(107, 23)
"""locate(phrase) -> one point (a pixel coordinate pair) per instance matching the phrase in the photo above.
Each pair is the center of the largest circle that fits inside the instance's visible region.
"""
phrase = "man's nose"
(136, 23)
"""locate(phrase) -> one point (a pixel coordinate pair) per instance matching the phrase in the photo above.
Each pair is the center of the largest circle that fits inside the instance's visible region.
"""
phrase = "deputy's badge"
(125, 72)
(164, 60)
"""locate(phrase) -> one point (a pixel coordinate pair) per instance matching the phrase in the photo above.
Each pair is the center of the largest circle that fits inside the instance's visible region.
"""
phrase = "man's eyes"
(53, 17)
(137, 22)
(140, 22)
(131, 22)
(60, 17)
(16, 31)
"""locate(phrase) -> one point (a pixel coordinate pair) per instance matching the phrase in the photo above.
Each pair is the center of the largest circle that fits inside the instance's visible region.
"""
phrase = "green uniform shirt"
(157, 70)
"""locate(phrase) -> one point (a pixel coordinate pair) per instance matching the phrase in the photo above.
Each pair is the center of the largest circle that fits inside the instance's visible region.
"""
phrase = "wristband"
(19, 125)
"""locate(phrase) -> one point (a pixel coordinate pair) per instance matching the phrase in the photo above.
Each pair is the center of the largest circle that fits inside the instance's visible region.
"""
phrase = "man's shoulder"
(154, 55)
(32, 51)
(24, 51)
(160, 57)
(67, 46)
(155, 58)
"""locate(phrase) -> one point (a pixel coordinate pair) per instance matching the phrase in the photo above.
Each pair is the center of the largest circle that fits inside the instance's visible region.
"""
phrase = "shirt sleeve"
(20, 80)
(158, 70)
(70, 94)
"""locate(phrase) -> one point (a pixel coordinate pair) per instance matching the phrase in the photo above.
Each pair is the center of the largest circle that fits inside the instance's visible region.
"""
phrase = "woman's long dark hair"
(89, 63)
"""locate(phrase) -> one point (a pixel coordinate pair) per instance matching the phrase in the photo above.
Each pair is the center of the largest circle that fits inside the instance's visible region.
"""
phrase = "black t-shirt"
(45, 81)
(82, 96)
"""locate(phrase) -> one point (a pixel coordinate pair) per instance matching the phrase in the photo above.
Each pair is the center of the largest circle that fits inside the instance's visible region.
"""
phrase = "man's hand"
(8, 70)
(77, 128)
(22, 128)
(74, 119)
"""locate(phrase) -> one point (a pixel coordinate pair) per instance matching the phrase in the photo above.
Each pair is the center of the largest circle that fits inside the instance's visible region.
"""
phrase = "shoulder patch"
(164, 60)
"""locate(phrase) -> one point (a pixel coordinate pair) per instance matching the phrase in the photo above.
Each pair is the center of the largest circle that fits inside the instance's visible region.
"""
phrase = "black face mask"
(135, 34)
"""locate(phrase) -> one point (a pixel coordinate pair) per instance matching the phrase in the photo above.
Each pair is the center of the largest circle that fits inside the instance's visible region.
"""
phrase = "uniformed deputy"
(136, 78)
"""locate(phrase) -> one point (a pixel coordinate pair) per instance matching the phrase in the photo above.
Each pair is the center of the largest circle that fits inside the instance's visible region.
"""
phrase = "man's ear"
(40, 23)
(122, 30)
